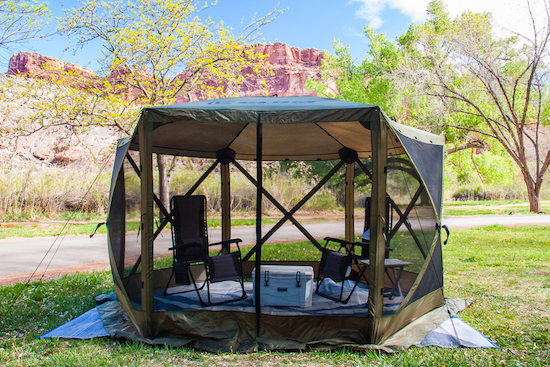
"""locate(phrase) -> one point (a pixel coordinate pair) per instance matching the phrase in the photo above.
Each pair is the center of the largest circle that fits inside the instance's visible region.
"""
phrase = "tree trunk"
(532, 191)
(534, 201)
(164, 190)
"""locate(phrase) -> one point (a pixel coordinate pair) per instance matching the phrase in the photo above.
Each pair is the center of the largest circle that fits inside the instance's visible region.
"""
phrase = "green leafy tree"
(493, 86)
(460, 77)
(160, 49)
(154, 52)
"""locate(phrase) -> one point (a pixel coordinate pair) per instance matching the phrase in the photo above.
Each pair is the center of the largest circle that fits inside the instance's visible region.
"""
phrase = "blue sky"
(305, 23)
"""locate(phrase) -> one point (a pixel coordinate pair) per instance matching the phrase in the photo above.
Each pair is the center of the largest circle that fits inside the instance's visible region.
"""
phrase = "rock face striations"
(36, 65)
(291, 68)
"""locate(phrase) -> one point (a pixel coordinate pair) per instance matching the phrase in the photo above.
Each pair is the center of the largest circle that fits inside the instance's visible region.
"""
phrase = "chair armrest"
(340, 241)
(184, 245)
(343, 243)
(228, 242)
(233, 240)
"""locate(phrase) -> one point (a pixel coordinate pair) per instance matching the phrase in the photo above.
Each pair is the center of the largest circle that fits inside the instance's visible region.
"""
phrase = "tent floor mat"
(188, 300)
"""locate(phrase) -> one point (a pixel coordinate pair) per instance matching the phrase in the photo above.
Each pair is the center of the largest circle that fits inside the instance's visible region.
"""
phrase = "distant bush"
(485, 176)
(287, 189)
(34, 192)
(45, 192)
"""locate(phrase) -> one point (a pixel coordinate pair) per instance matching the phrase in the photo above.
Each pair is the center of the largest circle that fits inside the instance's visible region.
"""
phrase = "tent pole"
(288, 215)
(350, 157)
(202, 178)
(379, 131)
(350, 229)
(226, 201)
(259, 187)
(146, 168)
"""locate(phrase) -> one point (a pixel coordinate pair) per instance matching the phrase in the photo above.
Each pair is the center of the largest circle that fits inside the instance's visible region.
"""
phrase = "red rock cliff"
(291, 67)
(34, 64)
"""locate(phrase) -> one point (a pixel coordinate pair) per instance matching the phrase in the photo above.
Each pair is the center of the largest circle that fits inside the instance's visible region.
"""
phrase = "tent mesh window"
(412, 220)
(132, 209)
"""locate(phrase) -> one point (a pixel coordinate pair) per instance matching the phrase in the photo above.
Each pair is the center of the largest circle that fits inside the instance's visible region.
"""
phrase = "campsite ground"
(504, 271)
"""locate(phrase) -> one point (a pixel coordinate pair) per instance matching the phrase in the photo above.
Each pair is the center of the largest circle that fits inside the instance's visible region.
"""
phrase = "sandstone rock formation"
(291, 68)
(36, 65)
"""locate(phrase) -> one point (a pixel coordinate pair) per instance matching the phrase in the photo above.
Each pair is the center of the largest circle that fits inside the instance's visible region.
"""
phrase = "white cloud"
(371, 10)
(415, 9)
(508, 14)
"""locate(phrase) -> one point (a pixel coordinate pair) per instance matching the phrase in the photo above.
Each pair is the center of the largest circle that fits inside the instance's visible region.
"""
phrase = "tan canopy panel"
(294, 128)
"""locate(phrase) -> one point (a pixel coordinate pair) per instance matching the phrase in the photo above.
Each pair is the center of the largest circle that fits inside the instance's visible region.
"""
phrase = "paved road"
(21, 257)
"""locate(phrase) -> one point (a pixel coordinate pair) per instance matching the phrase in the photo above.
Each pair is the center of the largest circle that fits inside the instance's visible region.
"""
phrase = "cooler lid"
(284, 270)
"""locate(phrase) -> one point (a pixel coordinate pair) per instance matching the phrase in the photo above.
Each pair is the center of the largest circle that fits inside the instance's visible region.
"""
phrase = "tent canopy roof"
(293, 128)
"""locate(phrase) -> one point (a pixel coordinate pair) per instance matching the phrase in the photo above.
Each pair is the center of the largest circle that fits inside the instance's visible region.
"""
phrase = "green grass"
(58, 228)
(504, 271)
(487, 207)
(485, 202)
(303, 250)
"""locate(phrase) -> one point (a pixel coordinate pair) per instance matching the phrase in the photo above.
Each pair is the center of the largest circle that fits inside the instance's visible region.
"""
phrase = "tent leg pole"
(378, 130)
(259, 187)
(350, 229)
(226, 204)
(146, 167)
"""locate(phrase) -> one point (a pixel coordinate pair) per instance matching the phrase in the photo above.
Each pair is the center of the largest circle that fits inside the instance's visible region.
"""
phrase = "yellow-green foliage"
(161, 49)
(489, 175)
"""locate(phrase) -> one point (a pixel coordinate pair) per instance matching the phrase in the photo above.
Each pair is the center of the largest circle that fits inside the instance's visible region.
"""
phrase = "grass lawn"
(504, 271)
(46, 229)
(77, 225)
(490, 207)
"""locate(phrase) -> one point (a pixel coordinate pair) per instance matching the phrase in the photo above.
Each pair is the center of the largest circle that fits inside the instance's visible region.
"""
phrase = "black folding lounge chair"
(337, 265)
(190, 246)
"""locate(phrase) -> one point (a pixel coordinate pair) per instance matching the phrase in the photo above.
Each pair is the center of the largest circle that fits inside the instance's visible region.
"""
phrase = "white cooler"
(285, 285)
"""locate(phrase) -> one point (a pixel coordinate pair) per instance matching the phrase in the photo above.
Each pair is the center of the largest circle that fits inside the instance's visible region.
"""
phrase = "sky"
(307, 23)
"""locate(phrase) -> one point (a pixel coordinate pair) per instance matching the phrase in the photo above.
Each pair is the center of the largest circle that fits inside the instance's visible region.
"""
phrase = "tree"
(21, 21)
(461, 77)
(159, 50)
(494, 86)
